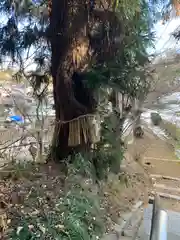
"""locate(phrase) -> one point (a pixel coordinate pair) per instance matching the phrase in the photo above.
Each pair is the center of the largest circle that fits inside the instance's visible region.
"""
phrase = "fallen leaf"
(3, 222)
(60, 226)
(36, 212)
(19, 230)
(43, 230)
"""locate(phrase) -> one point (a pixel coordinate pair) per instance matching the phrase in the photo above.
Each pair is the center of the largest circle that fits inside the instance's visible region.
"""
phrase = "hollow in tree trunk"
(73, 102)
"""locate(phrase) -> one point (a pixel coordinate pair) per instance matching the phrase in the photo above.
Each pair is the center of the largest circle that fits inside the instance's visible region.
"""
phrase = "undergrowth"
(64, 206)
(75, 217)
(73, 214)
(173, 131)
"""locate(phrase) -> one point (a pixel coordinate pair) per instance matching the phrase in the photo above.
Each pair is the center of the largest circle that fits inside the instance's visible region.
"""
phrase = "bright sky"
(164, 39)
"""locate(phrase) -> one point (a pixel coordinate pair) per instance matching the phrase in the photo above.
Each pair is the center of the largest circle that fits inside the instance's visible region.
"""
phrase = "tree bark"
(65, 33)
(58, 37)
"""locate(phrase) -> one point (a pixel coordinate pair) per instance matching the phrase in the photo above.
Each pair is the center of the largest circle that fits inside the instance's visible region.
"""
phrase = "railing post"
(162, 225)
(159, 222)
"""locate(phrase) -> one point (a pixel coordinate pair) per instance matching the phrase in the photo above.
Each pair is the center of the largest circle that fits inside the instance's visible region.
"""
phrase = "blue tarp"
(16, 118)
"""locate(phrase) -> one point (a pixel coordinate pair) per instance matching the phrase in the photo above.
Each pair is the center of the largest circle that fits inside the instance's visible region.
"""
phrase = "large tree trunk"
(71, 25)
(71, 102)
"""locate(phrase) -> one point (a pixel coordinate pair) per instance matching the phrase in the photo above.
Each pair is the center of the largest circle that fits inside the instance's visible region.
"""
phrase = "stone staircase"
(136, 225)
(164, 169)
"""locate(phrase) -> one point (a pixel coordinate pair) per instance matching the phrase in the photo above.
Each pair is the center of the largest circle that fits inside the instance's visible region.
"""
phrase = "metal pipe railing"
(159, 222)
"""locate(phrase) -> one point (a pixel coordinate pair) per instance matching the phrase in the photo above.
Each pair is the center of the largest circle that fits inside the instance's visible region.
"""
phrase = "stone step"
(161, 159)
(167, 179)
(169, 189)
(156, 167)
(166, 189)
(167, 196)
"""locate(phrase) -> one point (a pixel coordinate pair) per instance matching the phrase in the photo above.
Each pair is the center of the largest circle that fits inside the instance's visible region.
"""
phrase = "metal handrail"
(158, 222)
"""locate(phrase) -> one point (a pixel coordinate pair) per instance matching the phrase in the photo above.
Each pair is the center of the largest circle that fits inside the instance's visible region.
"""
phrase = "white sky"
(164, 39)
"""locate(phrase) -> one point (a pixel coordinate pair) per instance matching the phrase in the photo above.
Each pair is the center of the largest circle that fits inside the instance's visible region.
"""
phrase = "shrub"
(74, 213)
(156, 118)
